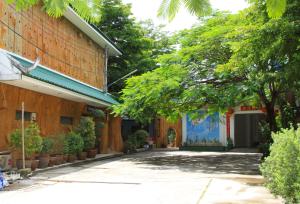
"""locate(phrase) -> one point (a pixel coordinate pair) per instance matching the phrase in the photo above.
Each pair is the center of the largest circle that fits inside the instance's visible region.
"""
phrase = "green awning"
(47, 75)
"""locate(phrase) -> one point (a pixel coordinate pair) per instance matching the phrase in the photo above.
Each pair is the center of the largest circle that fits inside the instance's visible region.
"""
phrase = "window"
(65, 120)
(28, 116)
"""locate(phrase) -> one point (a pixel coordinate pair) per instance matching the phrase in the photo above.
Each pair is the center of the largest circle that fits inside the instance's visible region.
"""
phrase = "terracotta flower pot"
(91, 153)
(72, 158)
(19, 164)
(82, 155)
(65, 158)
(59, 159)
(34, 164)
(52, 161)
(44, 161)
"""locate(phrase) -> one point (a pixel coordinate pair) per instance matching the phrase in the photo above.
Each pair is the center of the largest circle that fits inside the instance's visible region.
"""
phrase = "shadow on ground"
(218, 163)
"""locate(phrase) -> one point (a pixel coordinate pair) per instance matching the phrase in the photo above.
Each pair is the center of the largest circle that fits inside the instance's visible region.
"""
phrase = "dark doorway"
(246, 129)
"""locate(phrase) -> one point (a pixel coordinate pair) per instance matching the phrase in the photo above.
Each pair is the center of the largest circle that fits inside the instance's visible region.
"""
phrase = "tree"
(169, 8)
(88, 9)
(230, 60)
(141, 43)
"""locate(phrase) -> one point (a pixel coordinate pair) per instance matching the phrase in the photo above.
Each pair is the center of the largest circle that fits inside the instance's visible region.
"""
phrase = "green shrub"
(282, 167)
(58, 143)
(32, 139)
(73, 143)
(86, 130)
(171, 134)
(141, 137)
(47, 145)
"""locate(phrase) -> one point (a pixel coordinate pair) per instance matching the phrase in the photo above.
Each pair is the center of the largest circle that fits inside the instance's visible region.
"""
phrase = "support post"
(23, 137)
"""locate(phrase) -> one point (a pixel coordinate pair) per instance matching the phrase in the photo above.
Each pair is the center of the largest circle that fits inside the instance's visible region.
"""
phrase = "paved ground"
(150, 177)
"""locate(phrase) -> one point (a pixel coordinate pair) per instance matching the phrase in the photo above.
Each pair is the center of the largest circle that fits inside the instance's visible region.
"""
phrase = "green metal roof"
(52, 77)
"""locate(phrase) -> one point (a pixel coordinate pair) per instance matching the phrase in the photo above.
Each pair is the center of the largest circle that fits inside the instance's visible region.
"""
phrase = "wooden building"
(69, 78)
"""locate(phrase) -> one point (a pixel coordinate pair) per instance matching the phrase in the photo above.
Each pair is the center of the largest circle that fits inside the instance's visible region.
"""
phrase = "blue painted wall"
(203, 131)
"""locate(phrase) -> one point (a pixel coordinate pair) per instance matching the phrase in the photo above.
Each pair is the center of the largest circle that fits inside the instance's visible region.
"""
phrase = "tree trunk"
(271, 117)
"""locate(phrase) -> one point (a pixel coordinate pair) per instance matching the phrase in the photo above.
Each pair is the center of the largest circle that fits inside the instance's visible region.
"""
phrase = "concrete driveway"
(150, 177)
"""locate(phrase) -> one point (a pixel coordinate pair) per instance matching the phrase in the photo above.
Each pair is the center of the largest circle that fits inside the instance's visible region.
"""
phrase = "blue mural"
(203, 131)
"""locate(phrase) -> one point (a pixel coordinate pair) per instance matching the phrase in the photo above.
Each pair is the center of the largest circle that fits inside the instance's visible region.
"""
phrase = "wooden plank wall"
(59, 44)
(162, 140)
(63, 47)
(48, 109)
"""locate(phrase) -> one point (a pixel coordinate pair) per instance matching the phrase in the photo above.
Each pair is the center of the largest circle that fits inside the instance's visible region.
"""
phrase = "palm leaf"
(169, 8)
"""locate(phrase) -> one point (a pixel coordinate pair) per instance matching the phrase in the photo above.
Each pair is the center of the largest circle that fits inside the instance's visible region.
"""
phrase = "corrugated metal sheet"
(55, 78)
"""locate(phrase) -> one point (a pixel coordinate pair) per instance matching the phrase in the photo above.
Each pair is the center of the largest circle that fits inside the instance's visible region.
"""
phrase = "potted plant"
(86, 129)
(58, 148)
(98, 116)
(32, 144)
(73, 144)
(44, 157)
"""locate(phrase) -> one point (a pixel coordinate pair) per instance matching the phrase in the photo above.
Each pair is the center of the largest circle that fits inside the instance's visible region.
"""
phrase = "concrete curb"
(89, 160)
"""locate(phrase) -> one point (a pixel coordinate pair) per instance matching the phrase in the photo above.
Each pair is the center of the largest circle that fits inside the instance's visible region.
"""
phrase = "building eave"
(91, 32)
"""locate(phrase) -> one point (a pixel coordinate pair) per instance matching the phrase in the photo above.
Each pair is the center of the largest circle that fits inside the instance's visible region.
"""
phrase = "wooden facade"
(162, 126)
(61, 46)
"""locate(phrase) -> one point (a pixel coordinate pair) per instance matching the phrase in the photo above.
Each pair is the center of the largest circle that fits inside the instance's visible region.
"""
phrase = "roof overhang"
(21, 72)
(49, 89)
(100, 39)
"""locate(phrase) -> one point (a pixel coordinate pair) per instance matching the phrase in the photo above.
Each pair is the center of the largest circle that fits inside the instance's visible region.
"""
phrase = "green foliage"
(87, 9)
(266, 139)
(86, 129)
(47, 145)
(140, 42)
(32, 139)
(97, 113)
(171, 134)
(58, 143)
(282, 168)
(169, 8)
(226, 61)
(73, 143)
(141, 137)
(136, 140)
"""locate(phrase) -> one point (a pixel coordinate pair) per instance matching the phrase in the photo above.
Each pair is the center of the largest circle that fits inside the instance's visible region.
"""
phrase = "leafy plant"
(141, 137)
(32, 139)
(73, 143)
(47, 145)
(171, 134)
(229, 143)
(86, 129)
(282, 168)
(58, 143)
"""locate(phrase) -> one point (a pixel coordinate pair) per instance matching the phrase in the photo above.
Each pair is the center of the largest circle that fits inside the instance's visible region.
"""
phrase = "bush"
(58, 143)
(33, 140)
(171, 134)
(141, 137)
(136, 140)
(282, 168)
(73, 143)
(47, 145)
(86, 130)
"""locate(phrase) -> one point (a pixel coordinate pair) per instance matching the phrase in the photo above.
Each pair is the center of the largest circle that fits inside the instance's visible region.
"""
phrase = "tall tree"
(141, 43)
(230, 60)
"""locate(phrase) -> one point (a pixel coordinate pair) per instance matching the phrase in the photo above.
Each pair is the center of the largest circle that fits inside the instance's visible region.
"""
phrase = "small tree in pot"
(73, 144)
(32, 143)
(86, 129)
(44, 154)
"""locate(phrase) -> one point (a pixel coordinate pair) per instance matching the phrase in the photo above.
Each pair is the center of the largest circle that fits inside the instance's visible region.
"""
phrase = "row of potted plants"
(42, 152)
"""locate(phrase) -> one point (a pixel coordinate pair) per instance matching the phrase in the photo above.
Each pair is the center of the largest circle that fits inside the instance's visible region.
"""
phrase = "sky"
(147, 9)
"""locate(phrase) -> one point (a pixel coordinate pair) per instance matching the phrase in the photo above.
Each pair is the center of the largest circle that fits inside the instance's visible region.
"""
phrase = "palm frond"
(169, 8)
